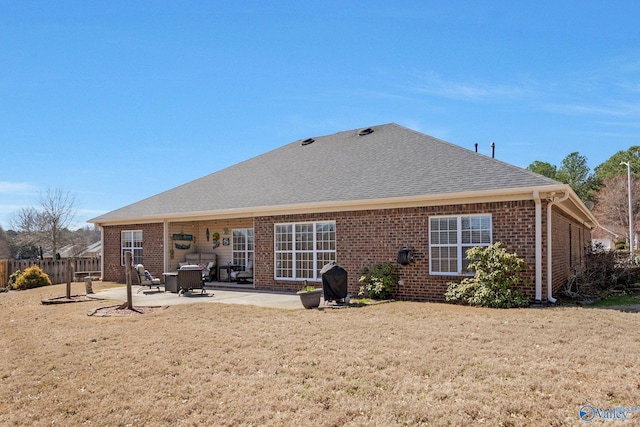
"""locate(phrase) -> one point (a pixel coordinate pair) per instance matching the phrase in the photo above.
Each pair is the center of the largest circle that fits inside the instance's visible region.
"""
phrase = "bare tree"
(46, 224)
(4, 245)
(612, 204)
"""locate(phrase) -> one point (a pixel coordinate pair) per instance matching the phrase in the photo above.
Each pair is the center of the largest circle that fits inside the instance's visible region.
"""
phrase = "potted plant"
(310, 295)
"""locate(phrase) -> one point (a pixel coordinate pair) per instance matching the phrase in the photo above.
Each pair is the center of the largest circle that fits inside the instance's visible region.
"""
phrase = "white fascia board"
(510, 194)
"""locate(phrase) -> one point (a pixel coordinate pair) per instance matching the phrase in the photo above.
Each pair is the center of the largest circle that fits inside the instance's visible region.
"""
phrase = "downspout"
(552, 201)
(101, 250)
(538, 238)
(167, 247)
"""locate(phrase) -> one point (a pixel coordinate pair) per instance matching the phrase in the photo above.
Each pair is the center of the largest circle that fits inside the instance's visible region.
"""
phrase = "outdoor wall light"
(405, 255)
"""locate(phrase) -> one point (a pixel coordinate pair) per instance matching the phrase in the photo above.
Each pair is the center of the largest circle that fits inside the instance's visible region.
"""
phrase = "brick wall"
(152, 250)
(570, 240)
(370, 237)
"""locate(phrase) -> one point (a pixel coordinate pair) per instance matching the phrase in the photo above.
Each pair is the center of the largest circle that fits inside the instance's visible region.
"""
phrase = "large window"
(302, 249)
(242, 247)
(132, 242)
(451, 237)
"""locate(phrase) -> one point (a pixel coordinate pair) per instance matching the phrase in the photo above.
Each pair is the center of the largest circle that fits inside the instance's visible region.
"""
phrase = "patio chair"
(208, 271)
(146, 279)
(244, 276)
(190, 278)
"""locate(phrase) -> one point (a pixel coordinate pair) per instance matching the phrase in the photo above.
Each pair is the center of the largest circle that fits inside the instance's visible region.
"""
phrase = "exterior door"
(242, 247)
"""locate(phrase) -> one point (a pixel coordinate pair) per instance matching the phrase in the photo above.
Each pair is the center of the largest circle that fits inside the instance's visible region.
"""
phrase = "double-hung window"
(302, 249)
(132, 242)
(451, 236)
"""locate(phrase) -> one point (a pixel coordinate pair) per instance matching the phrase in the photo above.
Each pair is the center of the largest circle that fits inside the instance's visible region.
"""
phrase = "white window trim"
(293, 250)
(247, 254)
(122, 248)
(459, 245)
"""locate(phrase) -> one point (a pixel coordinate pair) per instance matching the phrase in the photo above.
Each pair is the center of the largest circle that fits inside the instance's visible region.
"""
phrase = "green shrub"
(12, 279)
(495, 281)
(621, 246)
(32, 277)
(378, 281)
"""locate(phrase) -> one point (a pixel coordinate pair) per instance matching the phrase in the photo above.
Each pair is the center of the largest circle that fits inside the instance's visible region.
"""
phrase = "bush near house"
(377, 282)
(12, 279)
(496, 280)
(603, 272)
(32, 277)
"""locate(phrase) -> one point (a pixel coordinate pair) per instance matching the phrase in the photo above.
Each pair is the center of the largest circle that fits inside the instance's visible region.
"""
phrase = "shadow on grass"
(65, 300)
(353, 303)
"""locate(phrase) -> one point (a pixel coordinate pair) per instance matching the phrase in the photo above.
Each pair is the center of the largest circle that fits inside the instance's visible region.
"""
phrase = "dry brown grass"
(389, 364)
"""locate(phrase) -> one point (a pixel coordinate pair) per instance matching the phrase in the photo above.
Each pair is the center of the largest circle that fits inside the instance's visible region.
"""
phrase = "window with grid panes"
(242, 247)
(302, 249)
(450, 238)
(131, 242)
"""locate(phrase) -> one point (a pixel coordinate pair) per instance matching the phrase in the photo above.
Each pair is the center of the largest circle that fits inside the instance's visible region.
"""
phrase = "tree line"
(606, 186)
(45, 228)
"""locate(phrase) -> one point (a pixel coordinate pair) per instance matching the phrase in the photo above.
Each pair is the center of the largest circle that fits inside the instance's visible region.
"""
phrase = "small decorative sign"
(225, 241)
(216, 239)
(182, 236)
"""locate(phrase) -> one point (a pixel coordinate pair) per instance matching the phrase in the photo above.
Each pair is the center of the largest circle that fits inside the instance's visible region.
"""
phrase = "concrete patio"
(153, 297)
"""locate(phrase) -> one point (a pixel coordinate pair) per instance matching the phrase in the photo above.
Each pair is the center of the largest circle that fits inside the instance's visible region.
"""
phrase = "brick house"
(358, 197)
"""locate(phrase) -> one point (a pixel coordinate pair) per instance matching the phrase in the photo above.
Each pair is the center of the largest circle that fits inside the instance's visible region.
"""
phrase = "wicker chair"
(190, 278)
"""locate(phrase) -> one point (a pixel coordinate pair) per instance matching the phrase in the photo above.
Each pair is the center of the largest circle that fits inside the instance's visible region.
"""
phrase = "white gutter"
(536, 199)
(509, 194)
(552, 201)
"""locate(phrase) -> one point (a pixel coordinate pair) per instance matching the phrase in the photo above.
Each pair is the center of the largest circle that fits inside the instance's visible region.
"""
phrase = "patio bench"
(79, 276)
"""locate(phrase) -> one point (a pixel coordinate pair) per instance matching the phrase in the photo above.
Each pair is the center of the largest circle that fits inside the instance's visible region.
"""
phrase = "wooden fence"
(4, 273)
(55, 268)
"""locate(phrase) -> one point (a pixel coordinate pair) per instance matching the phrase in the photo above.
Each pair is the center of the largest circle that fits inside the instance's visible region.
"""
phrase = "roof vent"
(307, 141)
(364, 132)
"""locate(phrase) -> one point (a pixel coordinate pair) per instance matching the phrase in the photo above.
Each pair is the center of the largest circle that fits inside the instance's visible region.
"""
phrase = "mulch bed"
(119, 311)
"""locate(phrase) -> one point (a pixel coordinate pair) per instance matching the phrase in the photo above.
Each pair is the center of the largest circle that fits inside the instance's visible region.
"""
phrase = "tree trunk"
(127, 266)
(68, 279)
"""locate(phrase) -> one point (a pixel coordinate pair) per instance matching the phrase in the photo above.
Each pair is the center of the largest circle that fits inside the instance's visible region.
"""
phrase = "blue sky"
(115, 101)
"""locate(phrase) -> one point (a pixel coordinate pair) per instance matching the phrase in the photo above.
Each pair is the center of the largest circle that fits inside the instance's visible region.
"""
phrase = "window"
(132, 242)
(451, 237)
(302, 249)
(242, 247)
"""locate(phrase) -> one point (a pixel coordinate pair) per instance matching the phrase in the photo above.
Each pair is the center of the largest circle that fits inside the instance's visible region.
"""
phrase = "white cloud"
(620, 110)
(433, 84)
(17, 187)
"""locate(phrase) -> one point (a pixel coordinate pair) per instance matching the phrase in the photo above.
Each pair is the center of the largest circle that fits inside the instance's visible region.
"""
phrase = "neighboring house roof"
(74, 250)
(603, 232)
(346, 168)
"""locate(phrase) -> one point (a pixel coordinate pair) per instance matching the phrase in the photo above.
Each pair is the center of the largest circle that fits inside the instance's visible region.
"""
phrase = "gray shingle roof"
(392, 161)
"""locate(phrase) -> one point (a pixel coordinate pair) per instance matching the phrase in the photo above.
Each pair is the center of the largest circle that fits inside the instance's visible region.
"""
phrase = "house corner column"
(538, 243)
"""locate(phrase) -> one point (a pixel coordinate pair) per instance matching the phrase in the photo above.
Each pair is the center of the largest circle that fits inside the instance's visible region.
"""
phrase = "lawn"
(390, 364)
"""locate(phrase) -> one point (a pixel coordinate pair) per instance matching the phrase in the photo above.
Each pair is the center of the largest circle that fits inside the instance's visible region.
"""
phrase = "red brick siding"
(369, 237)
(152, 250)
(365, 238)
(569, 240)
